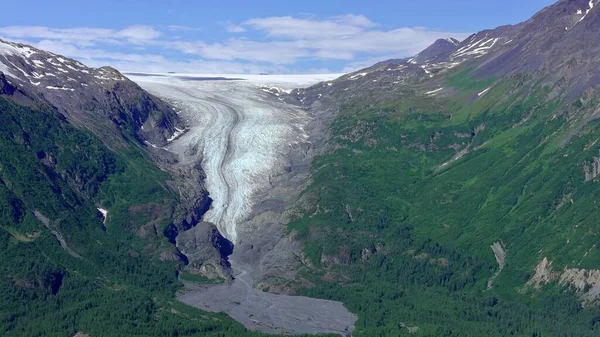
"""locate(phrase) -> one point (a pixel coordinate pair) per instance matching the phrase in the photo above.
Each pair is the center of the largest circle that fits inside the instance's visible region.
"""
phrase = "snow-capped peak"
(453, 41)
(45, 70)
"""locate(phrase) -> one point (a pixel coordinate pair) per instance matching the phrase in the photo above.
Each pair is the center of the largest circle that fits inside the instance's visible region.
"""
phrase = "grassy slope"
(418, 235)
(117, 287)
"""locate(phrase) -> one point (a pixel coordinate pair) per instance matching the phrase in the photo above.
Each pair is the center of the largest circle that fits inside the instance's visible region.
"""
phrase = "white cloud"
(83, 35)
(270, 44)
(276, 52)
(139, 34)
(233, 28)
(89, 54)
(195, 66)
(294, 28)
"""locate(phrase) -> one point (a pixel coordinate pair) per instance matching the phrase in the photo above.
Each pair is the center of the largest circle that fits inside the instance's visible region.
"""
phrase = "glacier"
(240, 134)
(243, 134)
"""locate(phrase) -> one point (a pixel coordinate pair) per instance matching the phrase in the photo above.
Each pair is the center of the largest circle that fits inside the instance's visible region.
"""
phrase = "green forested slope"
(406, 205)
(108, 281)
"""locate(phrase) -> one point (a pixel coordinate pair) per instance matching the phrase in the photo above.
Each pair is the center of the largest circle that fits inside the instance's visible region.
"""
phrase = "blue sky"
(249, 36)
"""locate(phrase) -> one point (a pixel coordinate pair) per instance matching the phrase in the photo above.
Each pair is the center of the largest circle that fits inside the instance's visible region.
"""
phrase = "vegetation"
(185, 276)
(63, 271)
(406, 207)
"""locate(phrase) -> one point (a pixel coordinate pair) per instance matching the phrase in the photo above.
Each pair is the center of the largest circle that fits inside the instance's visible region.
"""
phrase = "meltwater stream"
(242, 137)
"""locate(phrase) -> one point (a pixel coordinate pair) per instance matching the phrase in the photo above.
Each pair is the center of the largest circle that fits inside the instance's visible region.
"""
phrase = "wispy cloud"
(139, 34)
(83, 35)
(258, 44)
(275, 52)
(233, 28)
(178, 28)
(314, 29)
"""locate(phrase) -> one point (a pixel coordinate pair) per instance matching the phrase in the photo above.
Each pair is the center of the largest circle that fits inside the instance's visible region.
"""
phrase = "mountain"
(456, 192)
(101, 100)
(91, 204)
(439, 51)
(453, 193)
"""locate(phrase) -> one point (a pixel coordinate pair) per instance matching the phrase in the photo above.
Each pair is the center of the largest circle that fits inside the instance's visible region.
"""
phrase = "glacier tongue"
(240, 134)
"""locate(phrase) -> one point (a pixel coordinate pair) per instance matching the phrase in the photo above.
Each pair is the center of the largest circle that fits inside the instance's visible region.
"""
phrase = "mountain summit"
(99, 99)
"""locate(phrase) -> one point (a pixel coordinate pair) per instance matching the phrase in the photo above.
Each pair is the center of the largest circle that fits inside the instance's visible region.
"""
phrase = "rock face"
(585, 281)
(101, 100)
(5, 87)
(592, 170)
(500, 255)
(206, 249)
(118, 112)
(439, 51)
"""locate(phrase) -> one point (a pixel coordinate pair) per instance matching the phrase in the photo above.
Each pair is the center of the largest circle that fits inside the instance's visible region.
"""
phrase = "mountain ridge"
(95, 96)
(432, 170)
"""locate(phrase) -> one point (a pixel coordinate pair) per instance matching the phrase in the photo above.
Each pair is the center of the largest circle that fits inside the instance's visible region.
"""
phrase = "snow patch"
(276, 90)
(104, 213)
(71, 67)
(484, 92)
(478, 48)
(19, 69)
(357, 76)
(177, 133)
(59, 88)
(591, 5)
(51, 61)
(433, 91)
(454, 42)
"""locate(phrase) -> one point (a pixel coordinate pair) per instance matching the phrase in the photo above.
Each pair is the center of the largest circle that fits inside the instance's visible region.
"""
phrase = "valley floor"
(270, 313)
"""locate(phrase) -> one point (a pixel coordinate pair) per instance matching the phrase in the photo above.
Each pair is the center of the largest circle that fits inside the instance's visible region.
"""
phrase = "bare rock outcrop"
(500, 255)
(543, 274)
(592, 170)
(206, 251)
(585, 281)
